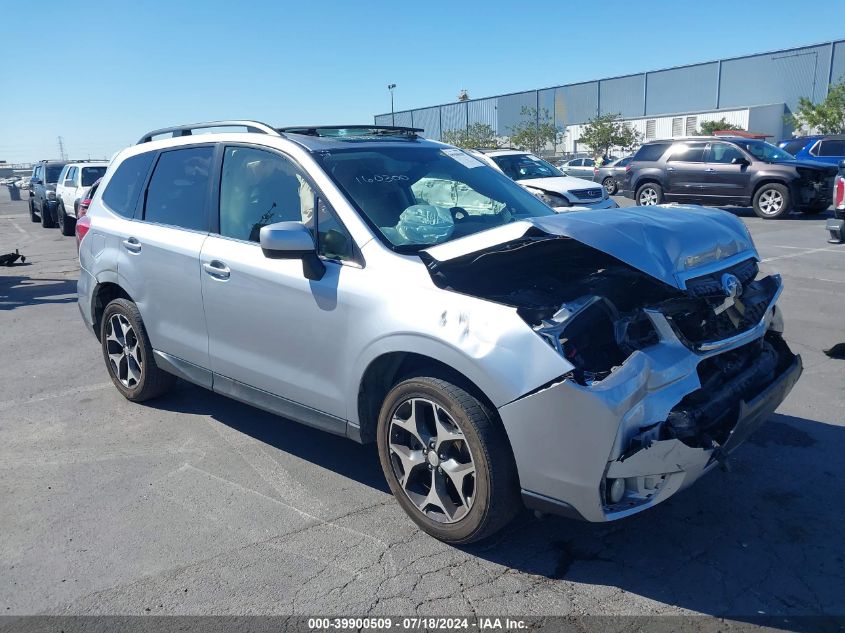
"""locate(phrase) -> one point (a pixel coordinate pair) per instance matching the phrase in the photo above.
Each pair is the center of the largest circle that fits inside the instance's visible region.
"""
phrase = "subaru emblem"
(731, 286)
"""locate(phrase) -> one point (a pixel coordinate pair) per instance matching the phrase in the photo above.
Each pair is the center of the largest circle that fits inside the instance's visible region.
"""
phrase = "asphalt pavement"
(195, 504)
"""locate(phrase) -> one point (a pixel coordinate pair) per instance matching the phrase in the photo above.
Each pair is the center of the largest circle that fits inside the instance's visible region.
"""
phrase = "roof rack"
(187, 130)
(363, 130)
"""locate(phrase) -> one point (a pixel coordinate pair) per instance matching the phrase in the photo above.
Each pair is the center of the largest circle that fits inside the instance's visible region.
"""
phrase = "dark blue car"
(821, 148)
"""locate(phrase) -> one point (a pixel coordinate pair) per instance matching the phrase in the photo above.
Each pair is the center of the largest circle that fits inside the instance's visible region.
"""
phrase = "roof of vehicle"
(501, 151)
(313, 138)
(90, 163)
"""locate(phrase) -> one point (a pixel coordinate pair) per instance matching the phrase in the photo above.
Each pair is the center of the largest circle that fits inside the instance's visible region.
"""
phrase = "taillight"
(82, 226)
(839, 198)
(83, 207)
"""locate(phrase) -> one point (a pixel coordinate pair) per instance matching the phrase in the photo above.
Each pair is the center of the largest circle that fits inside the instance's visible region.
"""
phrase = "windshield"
(416, 197)
(765, 151)
(53, 172)
(524, 166)
(91, 174)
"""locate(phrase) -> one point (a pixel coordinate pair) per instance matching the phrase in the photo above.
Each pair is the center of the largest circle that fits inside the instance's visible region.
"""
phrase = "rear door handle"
(132, 245)
(217, 269)
(709, 170)
(670, 169)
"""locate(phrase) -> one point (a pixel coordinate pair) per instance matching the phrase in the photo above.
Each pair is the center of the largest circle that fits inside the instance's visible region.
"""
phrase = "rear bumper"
(836, 228)
(84, 289)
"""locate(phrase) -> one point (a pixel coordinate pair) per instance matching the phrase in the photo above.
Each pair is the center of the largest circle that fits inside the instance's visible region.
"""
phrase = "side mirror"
(740, 161)
(291, 240)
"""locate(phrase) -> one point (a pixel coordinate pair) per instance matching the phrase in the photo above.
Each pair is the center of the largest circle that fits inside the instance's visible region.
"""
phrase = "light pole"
(392, 116)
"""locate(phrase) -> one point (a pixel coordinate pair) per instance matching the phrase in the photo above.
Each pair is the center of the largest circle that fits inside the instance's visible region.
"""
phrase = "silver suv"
(396, 290)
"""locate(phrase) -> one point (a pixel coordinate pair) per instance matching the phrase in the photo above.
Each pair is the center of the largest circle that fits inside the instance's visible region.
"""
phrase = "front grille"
(702, 316)
(711, 284)
(587, 194)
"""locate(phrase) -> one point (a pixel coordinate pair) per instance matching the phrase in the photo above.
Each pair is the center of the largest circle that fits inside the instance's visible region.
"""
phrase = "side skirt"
(255, 397)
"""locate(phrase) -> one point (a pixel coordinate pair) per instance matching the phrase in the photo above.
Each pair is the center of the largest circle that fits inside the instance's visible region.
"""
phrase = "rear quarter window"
(121, 194)
(650, 152)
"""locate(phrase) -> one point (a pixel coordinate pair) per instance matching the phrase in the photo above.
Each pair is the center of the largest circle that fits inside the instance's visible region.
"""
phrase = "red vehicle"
(82, 222)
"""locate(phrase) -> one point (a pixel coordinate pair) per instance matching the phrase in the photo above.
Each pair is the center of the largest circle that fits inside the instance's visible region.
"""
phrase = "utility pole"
(62, 154)
(392, 116)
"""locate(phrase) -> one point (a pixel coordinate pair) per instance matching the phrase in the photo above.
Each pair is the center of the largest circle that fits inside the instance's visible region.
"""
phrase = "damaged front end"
(670, 369)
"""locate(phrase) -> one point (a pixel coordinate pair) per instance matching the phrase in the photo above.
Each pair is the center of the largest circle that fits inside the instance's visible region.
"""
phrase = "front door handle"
(132, 245)
(670, 169)
(217, 269)
(709, 170)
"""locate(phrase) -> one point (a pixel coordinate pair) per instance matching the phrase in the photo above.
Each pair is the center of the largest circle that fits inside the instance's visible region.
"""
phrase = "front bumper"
(571, 441)
(605, 203)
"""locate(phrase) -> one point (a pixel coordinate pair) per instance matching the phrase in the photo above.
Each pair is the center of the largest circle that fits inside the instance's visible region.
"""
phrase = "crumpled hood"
(672, 243)
(559, 184)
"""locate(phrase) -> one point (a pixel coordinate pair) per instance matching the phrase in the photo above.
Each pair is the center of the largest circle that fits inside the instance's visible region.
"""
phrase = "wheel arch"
(104, 293)
(388, 368)
(768, 180)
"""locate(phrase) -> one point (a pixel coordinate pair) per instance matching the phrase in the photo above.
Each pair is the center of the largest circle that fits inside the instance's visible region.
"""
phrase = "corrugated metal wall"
(779, 77)
(684, 89)
(623, 95)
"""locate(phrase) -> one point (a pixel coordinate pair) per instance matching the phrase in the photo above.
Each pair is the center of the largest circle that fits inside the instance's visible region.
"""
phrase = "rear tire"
(649, 195)
(772, 201)
(424, 471)
(610, 185)
(129, 355)
(46, 216)
(67, 224)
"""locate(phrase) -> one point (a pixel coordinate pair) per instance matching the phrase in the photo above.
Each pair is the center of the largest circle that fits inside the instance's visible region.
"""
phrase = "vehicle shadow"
(17, 291)
(759, 541)
(326, 450)
(756, 542)
(748, 212)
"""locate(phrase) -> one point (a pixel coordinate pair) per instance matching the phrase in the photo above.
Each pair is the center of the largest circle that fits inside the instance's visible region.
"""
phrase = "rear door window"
(687, 153)
(121, 194)
(90, 175)
(833, 147)
(178, 189)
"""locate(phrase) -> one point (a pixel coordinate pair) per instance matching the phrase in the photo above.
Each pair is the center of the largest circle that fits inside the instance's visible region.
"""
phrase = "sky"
(102, 73)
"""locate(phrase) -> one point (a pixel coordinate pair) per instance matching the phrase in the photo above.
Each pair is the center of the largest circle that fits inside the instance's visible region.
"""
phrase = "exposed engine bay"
(594, 309)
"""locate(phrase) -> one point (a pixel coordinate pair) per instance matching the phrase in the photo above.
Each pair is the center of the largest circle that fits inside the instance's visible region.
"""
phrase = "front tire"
(129, 355)
(772, 201)
(66, 223)
(649, 195)
(447, 460)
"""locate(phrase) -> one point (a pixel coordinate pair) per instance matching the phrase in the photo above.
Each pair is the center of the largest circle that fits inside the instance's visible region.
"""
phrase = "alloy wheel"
(648, 197)
(771, 202)
(124, 351)
(431, 460)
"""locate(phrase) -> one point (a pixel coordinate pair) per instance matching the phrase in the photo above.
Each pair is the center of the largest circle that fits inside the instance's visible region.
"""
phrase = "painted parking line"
(805, 252)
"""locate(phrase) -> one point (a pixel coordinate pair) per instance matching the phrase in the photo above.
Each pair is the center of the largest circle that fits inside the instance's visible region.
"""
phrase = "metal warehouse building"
(754, 92)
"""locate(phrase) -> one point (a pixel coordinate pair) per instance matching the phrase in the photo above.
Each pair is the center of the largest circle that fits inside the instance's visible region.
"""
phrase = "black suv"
(719, 171)
(42, 192)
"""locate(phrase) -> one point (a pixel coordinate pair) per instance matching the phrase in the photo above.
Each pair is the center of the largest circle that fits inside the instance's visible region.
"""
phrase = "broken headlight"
(551, 199)
(591, 334)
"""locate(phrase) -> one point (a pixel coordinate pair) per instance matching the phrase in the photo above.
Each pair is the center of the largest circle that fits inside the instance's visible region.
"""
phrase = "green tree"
(534, 133)
(827, 117)
(605, 131)
(707, 128)
(478, 135)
